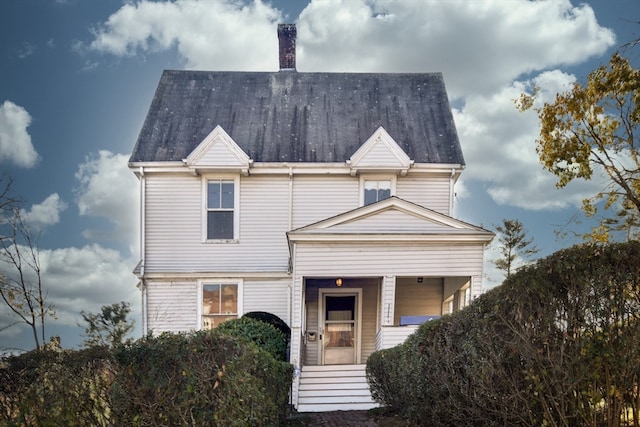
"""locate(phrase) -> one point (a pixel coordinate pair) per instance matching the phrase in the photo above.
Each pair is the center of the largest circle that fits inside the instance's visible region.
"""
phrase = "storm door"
(339, 320)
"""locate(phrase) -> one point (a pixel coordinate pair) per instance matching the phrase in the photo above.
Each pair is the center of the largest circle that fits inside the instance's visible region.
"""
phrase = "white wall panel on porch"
(320, 197)
(378, 259)
(431, 191)
(267, 295)
(415, 298)
(174, 237)
(391, 336)
(172, 306)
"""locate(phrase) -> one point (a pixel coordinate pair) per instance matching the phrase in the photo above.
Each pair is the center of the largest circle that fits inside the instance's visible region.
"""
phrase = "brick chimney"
(287, 43)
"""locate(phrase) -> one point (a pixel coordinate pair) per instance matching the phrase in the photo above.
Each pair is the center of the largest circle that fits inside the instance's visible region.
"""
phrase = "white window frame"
(366, 177)
(236, 207)
(219, 281)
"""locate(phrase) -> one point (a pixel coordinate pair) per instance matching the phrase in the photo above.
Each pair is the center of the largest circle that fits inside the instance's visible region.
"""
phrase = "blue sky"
(78, 77)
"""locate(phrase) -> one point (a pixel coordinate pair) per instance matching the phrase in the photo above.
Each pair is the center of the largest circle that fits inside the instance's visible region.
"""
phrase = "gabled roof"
(218, 151)
(287, 116)
(380, 151)
(391, 219)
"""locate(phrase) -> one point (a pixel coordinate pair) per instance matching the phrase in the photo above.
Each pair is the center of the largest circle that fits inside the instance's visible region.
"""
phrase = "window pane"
(220, 225)
(227, 194)
(229, 299)
(370, 196)
(213, 195)
(384, 194)
(211, 299)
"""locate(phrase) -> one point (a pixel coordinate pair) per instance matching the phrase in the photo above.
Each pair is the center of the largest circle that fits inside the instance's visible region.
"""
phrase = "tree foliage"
(555, 345)
(514, 245)
(109, 327)
(592, 129)
(21, 287)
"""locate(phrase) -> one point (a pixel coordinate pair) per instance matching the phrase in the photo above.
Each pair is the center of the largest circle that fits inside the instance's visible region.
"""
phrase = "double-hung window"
(376, 190)
(220, 302)
(220, 209)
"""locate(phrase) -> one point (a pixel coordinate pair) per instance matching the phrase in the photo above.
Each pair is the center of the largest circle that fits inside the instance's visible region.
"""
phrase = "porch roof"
(392, 219)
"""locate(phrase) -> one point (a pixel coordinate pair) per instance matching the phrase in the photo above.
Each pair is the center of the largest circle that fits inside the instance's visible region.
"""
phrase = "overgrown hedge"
(558, 344)
(203, 379)
(263, 334)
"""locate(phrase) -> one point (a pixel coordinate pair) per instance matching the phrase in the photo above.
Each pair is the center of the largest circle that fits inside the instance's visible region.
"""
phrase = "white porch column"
(387, 306)
(476, 286)
(296, 333)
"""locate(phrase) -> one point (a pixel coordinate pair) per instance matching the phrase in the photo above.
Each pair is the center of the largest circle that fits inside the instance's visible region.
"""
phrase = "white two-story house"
(325, 199)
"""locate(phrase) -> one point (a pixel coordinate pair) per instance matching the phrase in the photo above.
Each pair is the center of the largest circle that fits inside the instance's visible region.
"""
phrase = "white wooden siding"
(391, 221)
(172, 306)
(431, 191)
(380, 155)
(379, 259)
(219, 154)
(267, 295)
(391, 336)
(174, 227)
(319, 197)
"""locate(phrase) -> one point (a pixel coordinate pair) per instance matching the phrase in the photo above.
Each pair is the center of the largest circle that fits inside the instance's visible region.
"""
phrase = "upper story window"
(221, 209)
(220, 302)
(376, 190)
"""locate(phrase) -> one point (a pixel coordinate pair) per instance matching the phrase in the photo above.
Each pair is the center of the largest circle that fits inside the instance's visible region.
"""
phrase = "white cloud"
(500, 150)
(15, 141)
(108, 189)
(480, 46)
(45, 213)
(84, 279)
(223, 35)
(75, 280)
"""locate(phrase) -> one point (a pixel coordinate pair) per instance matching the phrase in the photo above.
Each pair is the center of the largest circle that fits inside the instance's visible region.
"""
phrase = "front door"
(340, 326)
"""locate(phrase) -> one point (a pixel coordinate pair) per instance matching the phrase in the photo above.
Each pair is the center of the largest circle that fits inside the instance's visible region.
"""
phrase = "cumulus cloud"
(15, 141)
(221, 35)
(45, 213)
(499, 146)
(86, 278)
(479, 46)
(108, 189)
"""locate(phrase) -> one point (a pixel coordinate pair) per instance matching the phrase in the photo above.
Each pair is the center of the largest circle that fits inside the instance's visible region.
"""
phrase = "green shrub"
(51, 388)
(263, 334)
(206, 378)
(555, 345)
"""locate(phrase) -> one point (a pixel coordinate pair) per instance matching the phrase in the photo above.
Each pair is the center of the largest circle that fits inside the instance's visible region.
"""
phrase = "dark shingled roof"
(287, 116)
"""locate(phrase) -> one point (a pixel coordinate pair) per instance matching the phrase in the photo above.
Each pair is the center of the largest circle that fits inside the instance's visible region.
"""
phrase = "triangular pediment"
(218, 151)
(392, 217)
(380, 152)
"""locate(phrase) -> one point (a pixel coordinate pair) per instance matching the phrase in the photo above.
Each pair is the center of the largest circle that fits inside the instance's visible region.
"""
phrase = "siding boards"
(388, 259)
(320, 197)
(431, 191)
(172, 306)
(267, 295)
(174, 227)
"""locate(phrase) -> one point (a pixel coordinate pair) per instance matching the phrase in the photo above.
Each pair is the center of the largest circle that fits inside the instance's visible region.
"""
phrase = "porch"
(345, 319)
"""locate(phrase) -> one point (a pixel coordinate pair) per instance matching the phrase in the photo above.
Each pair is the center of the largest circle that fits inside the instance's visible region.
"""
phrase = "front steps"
(334, 388)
